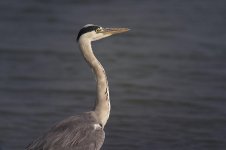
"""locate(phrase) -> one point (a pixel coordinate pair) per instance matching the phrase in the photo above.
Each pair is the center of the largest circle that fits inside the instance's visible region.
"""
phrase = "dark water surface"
(167, 75)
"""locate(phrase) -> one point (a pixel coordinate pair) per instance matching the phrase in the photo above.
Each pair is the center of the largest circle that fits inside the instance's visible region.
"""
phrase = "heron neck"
(102, 104)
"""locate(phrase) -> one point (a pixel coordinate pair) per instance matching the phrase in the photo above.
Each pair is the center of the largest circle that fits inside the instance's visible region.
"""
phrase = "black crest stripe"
(85, 30)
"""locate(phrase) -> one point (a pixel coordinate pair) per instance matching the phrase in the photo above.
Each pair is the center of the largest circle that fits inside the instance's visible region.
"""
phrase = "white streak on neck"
(102, 105)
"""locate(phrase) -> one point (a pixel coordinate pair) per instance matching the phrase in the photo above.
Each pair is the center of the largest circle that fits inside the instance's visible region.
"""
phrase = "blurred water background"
(167, 75)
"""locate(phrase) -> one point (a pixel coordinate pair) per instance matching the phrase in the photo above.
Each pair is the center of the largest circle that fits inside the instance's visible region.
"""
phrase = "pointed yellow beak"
(111, 31)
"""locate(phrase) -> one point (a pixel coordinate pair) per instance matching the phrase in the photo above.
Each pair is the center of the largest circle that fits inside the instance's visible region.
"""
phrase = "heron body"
(85, 131)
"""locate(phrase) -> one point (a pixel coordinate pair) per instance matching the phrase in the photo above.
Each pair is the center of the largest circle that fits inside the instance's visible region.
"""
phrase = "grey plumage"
(85, 131)
(75, 132)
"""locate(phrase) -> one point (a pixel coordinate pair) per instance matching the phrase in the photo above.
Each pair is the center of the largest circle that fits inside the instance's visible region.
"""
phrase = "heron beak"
(111, 31)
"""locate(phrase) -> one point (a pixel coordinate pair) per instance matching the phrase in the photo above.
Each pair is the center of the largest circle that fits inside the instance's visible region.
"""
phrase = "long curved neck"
(102, 104)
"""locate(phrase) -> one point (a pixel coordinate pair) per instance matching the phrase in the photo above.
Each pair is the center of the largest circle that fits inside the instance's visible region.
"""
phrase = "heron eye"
(98, 30)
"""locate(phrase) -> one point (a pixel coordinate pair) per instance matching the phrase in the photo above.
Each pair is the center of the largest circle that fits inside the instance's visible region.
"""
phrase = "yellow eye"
(98, 30)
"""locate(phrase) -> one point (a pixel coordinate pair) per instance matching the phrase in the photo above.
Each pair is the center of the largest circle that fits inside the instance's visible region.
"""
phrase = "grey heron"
(84, 131)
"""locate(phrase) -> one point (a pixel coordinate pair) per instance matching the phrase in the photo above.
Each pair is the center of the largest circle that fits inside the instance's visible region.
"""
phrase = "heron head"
(94, 32)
